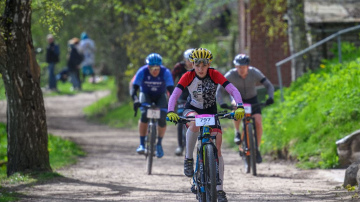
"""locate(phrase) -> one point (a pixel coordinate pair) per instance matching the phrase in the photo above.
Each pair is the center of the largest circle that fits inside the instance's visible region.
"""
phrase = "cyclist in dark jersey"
(201, 83)
(154, 80)
(245, 78)
(181, 68)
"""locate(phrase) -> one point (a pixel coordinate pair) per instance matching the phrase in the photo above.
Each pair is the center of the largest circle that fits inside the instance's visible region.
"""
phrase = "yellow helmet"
(199, 55)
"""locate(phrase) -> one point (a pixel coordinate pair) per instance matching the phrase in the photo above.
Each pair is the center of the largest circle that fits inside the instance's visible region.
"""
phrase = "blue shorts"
(87, 70)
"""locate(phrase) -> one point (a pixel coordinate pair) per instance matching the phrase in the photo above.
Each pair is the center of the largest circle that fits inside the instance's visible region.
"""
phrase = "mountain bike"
(153, 114)
(249, 138)
(206, 174)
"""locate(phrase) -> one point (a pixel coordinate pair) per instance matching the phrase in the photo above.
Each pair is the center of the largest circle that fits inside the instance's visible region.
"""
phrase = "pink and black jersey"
(202, 91)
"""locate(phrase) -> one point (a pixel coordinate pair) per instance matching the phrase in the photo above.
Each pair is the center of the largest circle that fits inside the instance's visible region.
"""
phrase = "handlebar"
(221, 115)
(260, 104)
(146, 105)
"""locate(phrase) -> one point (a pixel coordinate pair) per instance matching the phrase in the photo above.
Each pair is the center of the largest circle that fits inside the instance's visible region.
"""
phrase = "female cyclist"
(201, 83)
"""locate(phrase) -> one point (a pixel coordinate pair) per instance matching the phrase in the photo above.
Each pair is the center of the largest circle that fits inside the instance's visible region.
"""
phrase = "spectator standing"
(87, 47)
(52, 57)
(75, 58)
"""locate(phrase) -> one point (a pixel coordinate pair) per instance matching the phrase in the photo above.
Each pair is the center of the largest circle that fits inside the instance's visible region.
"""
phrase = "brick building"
(322, 18)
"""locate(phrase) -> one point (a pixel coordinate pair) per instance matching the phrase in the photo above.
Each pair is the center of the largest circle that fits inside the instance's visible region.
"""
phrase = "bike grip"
(167, 119)
(232, 114)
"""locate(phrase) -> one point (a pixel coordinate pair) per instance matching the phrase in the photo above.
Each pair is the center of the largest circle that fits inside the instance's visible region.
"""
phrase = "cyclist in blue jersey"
(153, 80)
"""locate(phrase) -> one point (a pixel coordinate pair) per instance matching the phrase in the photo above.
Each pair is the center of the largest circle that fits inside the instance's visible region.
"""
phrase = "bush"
(319, 108)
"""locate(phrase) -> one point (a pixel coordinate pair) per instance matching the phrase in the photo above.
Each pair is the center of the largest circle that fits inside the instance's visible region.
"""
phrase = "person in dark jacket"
(74, 60)
(52, 57)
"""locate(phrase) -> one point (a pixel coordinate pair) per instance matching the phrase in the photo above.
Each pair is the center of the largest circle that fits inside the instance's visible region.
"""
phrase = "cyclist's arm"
(134, 90)
(169, 81)
(139, 76)
(269, 87)
(259, 76)
(233, 91)
(173, 98)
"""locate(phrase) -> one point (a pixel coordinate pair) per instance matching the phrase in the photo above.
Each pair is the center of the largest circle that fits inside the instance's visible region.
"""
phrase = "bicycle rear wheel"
(246, 156)
(210, 174)
(151, 147)
(252, 148)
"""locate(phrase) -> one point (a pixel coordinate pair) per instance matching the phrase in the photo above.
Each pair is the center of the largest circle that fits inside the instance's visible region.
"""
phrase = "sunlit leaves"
(273, 23)
(52, 12)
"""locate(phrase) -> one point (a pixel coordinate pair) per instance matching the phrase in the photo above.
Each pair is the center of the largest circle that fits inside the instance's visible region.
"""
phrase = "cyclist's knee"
(162, 120)
(143, 118)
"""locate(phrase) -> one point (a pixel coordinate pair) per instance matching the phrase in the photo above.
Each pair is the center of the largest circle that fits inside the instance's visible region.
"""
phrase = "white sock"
(191, 138)
(221, 173)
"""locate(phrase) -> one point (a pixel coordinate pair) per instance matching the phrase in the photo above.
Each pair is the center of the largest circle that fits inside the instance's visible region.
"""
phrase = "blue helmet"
(84, 35)
(153, 59)
(241, 59)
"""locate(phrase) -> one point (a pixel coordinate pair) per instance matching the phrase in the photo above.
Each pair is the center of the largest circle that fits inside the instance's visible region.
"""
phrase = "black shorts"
(160, 101)
(253, 100)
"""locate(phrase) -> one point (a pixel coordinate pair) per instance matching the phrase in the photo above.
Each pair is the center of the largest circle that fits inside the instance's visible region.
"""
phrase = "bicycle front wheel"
(151, 147)
(210, 174)
(252, 148)
(184, 130)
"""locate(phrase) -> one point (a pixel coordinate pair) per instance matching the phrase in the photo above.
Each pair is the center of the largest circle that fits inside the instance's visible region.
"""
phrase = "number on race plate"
(153, 113)
(247, 108)
(205, 120)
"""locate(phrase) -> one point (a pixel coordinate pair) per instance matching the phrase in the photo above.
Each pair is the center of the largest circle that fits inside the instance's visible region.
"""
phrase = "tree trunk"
(27, 130)
(297, 37)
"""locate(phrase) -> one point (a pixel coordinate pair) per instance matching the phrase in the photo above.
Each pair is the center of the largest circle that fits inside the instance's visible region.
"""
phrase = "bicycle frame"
(153, 113)
(200, 178)
(206, 176)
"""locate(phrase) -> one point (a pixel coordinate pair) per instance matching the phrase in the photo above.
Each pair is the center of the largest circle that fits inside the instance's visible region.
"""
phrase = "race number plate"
(153, 113)
(247, 108)
(205, 120)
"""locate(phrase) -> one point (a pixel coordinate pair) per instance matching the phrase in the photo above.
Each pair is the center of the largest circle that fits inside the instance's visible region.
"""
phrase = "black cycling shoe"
(241, 153)
(258, 156)
(189, 167)
(193, 189)
(237, 138)
(221, 195)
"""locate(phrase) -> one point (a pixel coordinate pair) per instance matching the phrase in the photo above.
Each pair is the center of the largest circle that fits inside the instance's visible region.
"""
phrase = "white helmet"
(187, 53)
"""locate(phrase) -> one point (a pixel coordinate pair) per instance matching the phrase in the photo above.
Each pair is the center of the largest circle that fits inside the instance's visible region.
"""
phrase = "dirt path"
(112, 171)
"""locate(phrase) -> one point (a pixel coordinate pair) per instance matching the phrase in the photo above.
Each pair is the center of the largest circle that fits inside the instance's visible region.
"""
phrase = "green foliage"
(320, 108)
(272, 14)
(51, 12)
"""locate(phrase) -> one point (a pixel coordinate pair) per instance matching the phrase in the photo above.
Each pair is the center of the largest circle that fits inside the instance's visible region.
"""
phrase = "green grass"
(62, 152)
(65, 88)
(320, 108)
(109, 112)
